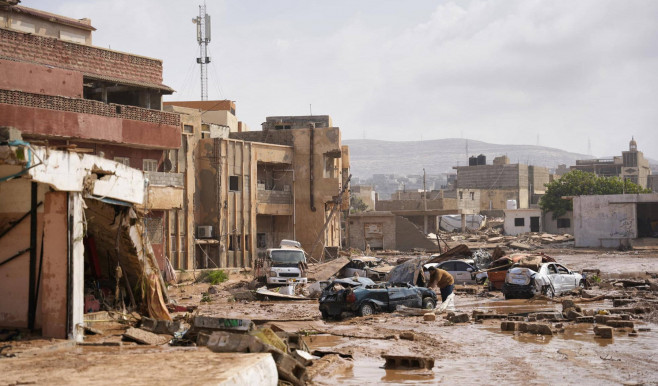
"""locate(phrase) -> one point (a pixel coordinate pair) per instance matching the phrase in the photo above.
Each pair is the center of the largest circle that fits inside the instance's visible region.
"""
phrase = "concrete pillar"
(53, 292)
(77, 264)
(425, 224)
(463, 223)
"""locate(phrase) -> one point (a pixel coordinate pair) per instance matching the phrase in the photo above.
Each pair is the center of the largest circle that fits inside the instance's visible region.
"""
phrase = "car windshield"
(288, 256)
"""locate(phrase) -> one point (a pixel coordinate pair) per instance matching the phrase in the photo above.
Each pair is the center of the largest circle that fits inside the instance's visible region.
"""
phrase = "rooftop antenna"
(589, 146)
(203, 37)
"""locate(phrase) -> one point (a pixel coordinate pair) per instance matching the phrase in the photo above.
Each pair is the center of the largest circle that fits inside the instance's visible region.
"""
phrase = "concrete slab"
(102, 365)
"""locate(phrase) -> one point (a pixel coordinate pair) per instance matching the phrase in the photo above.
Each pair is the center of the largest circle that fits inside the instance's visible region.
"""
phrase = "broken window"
(519, 222)
(122, 160)
(461, 195)
(234, 183)
(563, 223)
(330, 169)
(150, 165)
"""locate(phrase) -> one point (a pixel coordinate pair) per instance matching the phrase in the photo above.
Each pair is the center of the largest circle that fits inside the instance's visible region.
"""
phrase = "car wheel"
(366, 309)
(582, 284)
(428, 303)
(548, 291)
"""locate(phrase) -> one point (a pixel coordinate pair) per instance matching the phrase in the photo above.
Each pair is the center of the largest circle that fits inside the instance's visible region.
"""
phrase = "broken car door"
(554, 278)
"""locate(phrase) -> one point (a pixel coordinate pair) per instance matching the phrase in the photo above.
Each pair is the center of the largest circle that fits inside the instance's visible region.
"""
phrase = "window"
(551, 269)
(563, 223)
(330, 169)
(461, 195)
(561, 270)
(519, 222)
(188, 129)
(234, 183)
(123, 160)
(150, 165)
(472, 196)
(261, 240)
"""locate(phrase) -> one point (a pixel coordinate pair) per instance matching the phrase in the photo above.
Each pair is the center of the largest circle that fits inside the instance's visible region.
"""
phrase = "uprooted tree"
(579, 183)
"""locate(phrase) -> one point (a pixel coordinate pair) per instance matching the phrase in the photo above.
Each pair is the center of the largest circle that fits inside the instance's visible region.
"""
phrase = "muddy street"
(475, 351)
(350, 351)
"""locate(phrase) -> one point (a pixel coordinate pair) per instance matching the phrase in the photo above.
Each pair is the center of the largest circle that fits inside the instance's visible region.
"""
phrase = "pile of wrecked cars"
(362, 296)
(531, 276)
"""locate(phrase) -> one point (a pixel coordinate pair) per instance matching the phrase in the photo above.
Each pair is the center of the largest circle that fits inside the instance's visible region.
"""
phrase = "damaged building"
(495, 184)
(85, 182)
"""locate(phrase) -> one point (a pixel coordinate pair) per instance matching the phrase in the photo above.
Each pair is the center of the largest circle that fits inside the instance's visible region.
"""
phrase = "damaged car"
(354, 297)
(548, 279)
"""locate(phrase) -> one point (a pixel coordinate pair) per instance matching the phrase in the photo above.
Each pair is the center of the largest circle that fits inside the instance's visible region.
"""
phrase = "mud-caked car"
(342, 296)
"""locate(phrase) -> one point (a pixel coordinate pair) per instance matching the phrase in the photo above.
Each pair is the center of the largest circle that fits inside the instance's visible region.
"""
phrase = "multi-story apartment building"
(87, 132)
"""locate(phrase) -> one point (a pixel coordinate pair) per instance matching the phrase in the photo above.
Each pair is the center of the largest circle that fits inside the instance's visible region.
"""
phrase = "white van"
(287, 264)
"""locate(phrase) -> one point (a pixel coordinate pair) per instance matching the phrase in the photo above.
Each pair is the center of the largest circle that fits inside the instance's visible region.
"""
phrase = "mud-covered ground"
(473, 352)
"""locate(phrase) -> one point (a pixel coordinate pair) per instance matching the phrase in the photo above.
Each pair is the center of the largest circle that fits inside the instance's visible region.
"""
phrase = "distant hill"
(368, 157)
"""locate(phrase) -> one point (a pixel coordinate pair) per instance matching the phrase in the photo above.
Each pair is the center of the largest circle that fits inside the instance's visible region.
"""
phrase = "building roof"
(216, 105)
(77, 23)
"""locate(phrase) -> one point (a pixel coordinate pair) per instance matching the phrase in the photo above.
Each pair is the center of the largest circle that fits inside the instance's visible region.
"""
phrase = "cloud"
(498, 71)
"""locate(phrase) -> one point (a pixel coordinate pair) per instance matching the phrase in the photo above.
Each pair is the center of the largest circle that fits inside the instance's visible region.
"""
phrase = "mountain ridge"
(372, 156)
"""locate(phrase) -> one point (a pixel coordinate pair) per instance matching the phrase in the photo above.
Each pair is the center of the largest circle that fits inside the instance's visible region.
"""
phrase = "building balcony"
(37, 115)
(274, 202)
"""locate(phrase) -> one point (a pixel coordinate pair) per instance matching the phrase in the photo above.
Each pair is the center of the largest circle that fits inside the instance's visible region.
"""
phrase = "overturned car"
(548, 279)
(364, 297)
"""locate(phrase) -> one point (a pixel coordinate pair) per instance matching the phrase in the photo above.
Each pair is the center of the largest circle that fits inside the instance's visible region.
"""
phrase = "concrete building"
(218, 112)
(503, 181)
(612, 221)
(259, 187)
(630, 166)
(383, 230)
(36, 22)
(95, 145)
(519, 221)
(423, 212)
(366, 193)
(561, 225)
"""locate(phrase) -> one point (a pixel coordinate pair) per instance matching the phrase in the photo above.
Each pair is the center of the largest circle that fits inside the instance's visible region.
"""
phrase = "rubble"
(603, 332)
(145, 337)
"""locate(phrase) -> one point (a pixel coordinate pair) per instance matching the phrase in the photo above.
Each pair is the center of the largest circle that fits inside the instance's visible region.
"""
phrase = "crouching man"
(443, 280)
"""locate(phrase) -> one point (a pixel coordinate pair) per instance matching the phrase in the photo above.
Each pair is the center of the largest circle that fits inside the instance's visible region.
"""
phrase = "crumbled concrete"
(603, 332)
(429, 317)
(145, 337)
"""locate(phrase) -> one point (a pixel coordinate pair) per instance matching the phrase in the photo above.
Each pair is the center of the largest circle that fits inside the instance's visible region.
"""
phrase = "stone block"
(539, 329)
(620, 323)
(408, 335)
(508, 326)
(603, 332)
(408, 362)
(460, 318)
(160, 326)
(572, 314)
(145, 337)
(585, 319)
(429, 317)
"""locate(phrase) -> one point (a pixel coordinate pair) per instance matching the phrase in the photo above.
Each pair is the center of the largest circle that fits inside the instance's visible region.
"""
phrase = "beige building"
(500, 182)
(42, 23)
(218, 112)
(256, 188)
(366, 193)
(630, 166)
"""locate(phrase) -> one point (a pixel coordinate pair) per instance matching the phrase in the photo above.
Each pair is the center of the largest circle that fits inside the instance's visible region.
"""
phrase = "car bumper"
(287, 280)
(518, 291)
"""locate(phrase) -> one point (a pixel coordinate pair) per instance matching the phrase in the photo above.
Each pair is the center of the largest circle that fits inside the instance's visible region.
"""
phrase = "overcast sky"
(553, 72)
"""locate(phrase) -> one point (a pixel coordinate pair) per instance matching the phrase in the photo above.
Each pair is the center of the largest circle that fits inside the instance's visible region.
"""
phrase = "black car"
(346, 295)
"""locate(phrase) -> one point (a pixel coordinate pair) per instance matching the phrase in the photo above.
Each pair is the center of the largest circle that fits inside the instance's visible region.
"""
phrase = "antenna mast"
(203, 37)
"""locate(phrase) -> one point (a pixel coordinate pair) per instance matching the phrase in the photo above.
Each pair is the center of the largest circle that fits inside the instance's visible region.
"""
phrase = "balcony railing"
(164, 179)
(274, 197)
(88, 106)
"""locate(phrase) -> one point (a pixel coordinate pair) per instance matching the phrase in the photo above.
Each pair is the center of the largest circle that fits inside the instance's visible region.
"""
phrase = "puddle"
(324, 342)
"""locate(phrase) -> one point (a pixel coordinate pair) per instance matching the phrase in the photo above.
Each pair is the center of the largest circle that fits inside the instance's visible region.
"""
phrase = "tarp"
(411, 272)
(451, 223)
